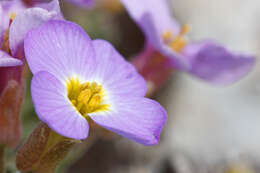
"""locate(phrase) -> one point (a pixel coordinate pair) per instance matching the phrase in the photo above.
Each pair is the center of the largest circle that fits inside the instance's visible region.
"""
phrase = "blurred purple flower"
(82, 3)
(15, 22)
(206, 59)
(77, 79)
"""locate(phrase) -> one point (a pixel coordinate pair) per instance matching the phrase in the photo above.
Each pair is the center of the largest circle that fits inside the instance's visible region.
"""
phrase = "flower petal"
(24, 22)
(61, 48)
(54, 108)
(52, 6)
(217, 65)
(8, 61)
(139, 119)
(157, 10)
(116, 74)
(2, 25)
(82, 3)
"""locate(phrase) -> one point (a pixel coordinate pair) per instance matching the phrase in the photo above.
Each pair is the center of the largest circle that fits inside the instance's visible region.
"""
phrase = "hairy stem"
(2, 159)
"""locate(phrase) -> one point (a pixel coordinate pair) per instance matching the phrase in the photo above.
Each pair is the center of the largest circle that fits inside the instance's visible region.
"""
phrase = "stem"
(2, 159)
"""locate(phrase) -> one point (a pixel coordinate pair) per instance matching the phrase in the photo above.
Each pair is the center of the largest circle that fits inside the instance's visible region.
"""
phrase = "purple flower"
(82, 3)
(206, 60)
(77, 79)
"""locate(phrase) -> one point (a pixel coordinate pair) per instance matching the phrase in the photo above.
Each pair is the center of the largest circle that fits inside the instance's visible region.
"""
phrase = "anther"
(178, 42)
(95, 100)
(85, 85)
(185, 29)
(167, 36)
(86, 97)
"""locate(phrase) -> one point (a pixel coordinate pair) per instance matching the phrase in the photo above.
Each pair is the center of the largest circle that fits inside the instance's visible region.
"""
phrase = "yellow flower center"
(178, 42)
(86, 97)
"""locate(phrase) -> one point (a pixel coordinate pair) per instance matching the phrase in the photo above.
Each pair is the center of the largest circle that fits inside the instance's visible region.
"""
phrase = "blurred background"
(209, 129)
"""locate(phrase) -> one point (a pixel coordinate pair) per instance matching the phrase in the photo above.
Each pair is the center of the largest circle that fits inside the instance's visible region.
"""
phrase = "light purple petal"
(217, 65)
(54, 108)
(53, 6)
(82, 3)
(8, 61)
(24, 22)
(61, 48)
(158, 12)
(2, 27)
(139, 119)
(118, 75)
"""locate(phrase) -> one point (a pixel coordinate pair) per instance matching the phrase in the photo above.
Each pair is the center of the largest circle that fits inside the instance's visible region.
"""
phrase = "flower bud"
(43, 150)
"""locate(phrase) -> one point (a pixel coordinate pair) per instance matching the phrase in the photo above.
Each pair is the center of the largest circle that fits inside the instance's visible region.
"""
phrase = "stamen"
(95, 100)
(185, 29)
(73, 102)
(86, 97)
(167, 36)
(85, 85)
(178, 42)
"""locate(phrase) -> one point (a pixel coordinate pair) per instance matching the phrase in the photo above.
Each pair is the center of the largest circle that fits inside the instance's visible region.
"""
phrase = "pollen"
(178, 42)
(86, 97)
